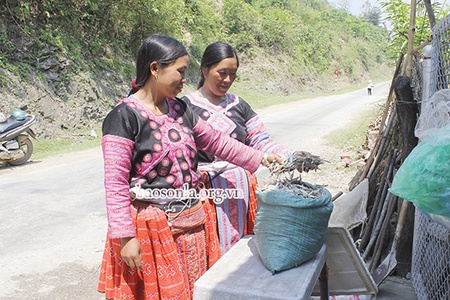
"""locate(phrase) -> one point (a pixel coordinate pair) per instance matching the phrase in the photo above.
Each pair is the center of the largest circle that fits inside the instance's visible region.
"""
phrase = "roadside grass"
(353, 135)
(44, 148)
(349, 139)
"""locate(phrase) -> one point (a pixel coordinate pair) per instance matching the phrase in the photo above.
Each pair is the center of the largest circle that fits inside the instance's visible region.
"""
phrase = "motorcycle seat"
(12, 123)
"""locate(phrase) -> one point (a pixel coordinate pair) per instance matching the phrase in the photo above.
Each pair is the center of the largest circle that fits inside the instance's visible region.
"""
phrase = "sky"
(354, 5)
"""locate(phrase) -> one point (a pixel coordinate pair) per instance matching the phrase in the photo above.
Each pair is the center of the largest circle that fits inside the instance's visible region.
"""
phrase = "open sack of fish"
(292, 217)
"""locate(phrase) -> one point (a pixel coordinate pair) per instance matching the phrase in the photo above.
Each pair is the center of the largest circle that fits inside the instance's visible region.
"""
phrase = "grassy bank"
(44, 148)
(354, 134)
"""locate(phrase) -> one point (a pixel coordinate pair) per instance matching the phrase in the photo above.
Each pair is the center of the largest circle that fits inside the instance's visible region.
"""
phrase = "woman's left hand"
(131, 252)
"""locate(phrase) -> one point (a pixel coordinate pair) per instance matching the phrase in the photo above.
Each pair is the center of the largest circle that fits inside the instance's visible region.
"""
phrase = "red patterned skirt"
(170, 263)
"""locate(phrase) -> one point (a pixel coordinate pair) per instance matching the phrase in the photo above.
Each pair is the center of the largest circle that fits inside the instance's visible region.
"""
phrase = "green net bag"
(290, 229)
(424, 176)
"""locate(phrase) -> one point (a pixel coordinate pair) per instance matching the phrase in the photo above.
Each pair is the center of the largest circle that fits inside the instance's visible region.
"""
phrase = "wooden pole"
(382, 206)
(412, 29)
(430, 12)
(383, 236)
(407, 110)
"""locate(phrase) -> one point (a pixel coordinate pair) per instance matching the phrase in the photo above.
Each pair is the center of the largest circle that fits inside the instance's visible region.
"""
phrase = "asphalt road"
(53, 220)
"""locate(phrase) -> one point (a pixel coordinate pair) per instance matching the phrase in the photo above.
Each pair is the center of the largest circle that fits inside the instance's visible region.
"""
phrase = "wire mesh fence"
(430, 273)
(430, 261)
(441, 56)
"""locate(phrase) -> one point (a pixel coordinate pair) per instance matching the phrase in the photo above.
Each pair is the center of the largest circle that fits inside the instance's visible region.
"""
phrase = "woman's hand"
(269, 158)
(131, 252)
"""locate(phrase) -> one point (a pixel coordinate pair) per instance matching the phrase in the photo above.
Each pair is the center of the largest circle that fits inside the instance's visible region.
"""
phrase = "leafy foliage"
(309, 36)
(398, 14)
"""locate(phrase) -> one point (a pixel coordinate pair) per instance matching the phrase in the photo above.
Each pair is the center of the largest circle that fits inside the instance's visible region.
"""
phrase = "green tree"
(294, 41)
(398, 15)
(371, 14)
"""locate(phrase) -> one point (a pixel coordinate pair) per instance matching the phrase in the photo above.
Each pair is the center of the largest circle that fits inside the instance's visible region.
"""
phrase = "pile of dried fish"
(282, 177)
(296, 161)
(296, 188)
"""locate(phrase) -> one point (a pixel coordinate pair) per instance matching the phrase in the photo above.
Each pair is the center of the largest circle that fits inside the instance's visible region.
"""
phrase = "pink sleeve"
(259, 138)
(226, 148)
(117, 153)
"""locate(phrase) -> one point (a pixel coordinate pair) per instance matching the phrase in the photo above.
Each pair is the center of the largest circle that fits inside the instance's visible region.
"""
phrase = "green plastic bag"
(424, 177)
(290, 229)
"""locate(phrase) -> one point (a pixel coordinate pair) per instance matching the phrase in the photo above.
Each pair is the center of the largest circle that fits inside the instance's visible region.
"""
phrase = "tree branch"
(426, 42)
(430, 12)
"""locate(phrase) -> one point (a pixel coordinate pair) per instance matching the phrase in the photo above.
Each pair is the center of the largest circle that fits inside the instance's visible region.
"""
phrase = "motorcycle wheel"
(27, 147)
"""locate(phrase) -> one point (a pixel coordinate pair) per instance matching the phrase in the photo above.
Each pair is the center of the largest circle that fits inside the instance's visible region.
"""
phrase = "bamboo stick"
(374, 151)
(384, 138)
(382, 237)
(374, 212)
(381, 212)
(391, 205)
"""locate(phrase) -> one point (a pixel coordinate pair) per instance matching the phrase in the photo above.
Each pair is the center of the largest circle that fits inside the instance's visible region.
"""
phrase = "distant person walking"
(369, 88)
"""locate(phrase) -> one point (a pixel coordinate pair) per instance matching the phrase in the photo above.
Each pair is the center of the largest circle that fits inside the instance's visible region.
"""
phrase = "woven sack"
(290, 229)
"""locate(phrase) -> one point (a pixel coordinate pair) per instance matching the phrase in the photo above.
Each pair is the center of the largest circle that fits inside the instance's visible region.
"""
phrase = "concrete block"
(241, 275)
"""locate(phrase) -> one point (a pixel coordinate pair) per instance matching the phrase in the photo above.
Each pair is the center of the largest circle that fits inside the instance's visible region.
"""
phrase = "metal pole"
(426, 81)
(323, 283)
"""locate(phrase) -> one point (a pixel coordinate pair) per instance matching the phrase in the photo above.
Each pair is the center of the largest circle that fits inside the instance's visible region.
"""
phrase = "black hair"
(215, 53)
(160, 48)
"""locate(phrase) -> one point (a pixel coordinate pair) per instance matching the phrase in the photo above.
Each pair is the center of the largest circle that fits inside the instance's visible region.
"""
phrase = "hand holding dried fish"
(298, 160)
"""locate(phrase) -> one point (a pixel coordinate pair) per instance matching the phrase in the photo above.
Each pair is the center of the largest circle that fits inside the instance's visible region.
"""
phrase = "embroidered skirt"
(170, 264)
(235, 217)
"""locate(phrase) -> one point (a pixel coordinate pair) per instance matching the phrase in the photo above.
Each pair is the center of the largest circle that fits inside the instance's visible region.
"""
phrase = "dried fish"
(297, 188)
(282, 176)
(296, 161)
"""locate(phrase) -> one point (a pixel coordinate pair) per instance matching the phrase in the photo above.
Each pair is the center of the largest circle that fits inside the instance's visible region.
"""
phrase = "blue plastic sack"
(424, 177)
(290, 229)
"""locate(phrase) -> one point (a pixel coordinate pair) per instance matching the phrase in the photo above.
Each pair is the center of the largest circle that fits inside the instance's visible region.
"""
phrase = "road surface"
(53, 220)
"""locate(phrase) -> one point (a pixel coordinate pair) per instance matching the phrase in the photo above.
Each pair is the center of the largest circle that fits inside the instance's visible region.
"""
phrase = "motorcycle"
(16, 146)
